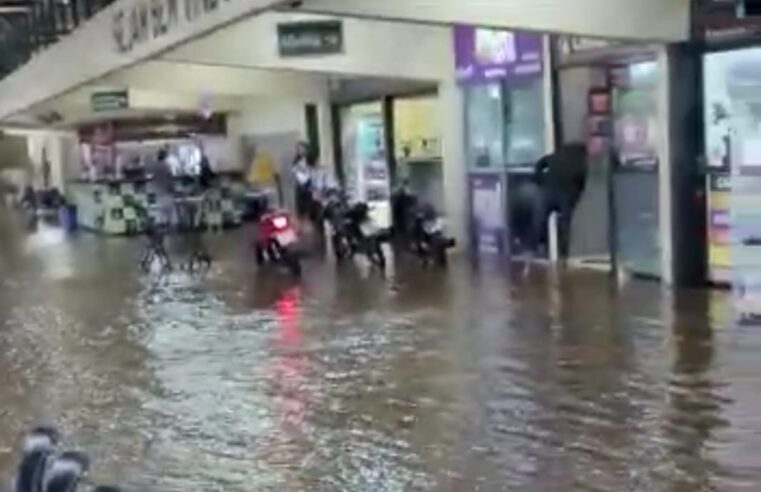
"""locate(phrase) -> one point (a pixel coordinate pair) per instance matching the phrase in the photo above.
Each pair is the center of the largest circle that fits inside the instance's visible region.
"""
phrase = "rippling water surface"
(421, 381)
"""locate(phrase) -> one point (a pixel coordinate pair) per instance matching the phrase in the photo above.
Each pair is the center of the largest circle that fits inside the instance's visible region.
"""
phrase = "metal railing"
(43, 24)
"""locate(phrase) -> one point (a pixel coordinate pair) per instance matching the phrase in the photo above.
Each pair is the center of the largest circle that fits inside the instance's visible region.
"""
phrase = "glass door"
(637, 129)
(365, 162)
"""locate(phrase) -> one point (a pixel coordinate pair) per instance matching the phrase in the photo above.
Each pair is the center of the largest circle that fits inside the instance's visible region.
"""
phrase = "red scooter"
(276, 242)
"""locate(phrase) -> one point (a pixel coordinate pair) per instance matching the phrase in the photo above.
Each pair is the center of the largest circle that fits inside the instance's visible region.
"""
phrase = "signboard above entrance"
(726, 20)
(483, 55)
(109, 101)
(310, 38)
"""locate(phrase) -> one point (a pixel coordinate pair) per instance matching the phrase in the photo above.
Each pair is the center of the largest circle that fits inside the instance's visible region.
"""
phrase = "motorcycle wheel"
(340, 248)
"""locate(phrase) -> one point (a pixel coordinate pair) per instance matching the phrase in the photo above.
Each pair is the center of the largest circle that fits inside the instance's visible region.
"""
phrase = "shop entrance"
(388, 141)
(610, 103)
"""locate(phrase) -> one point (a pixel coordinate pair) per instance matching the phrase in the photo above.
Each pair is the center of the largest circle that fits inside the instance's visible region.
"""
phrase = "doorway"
(611, 105)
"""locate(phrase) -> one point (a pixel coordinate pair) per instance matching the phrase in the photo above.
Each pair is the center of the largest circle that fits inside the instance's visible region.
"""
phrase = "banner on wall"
(487, 210)
(719, 226)
(483, 55)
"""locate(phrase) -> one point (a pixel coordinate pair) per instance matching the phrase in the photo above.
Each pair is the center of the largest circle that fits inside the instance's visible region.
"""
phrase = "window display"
(505, 124)
(524, 122)
(732, 85)
(364, 158)
(484, 120)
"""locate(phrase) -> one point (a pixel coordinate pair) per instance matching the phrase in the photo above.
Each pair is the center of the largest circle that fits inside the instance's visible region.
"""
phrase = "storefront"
(608, 98)
(732, 98)
(731, 67)
(115, 169)
(388, 140)
(502, 76)
(364, 158)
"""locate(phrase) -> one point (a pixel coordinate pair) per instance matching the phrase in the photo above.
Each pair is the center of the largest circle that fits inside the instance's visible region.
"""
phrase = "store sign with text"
(146, 20)
(484, 55)
(726, 20)
(310, 38)
(109, 100)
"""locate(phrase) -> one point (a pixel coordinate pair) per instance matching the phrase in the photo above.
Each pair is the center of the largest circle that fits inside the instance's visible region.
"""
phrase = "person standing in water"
(311, 182)
(561, 177)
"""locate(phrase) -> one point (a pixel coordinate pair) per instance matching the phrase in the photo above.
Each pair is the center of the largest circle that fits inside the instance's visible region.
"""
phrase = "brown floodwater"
(419, 380)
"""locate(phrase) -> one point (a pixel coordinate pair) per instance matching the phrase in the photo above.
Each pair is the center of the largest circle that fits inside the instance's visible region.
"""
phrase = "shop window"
(505, 124)
(524, 123)
(484, 118)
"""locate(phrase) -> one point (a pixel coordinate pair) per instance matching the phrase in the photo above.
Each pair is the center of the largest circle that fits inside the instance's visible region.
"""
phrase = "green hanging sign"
(109, 100)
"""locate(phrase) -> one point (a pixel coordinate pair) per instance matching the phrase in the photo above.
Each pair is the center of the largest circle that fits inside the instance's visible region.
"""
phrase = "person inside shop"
(561, 177)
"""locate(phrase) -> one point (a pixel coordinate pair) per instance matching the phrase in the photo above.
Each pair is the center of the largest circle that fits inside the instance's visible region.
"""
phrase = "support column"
(452, 113)
(665, 170)
(328, 154)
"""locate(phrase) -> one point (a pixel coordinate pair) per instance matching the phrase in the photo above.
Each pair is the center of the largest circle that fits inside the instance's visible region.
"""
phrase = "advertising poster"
(719, 230)
(732, 84)
(487, 206)
(483, 55)
(636, 115)
(746, 247)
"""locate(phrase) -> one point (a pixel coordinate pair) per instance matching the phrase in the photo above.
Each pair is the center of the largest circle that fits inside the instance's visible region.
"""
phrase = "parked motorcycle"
(276, 242)
(365, 236)
(420, 229)
(335, 213)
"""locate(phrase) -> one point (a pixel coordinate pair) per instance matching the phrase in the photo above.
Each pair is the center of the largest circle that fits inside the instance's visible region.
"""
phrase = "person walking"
(561, 177)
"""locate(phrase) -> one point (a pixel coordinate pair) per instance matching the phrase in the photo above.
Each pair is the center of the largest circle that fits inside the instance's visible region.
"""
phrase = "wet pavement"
(419, 380)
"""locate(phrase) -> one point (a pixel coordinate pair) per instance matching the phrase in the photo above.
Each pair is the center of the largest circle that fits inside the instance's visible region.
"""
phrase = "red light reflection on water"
(290, 364)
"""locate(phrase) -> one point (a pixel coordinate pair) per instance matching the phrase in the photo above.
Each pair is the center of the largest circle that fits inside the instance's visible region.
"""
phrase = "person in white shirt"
(311, 183)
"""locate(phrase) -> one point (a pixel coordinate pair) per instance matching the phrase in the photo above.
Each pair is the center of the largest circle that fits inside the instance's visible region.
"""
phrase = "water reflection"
(417, 381)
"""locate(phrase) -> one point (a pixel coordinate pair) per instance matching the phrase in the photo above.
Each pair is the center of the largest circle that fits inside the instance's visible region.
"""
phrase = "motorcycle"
(429, 237)
(352, 229)
(419, 228)
(365, 236)
(335, 213)
(276, 242)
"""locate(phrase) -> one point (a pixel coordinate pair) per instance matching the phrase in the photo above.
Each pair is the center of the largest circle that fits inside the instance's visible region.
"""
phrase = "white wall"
(262, 116)
(628, 19)
(259, 117)
(371, 48)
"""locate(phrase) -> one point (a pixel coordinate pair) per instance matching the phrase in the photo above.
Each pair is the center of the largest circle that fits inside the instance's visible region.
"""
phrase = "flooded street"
(239, 380)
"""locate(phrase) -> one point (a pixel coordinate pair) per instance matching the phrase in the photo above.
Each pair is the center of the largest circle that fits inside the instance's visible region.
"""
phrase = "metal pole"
(552, 238)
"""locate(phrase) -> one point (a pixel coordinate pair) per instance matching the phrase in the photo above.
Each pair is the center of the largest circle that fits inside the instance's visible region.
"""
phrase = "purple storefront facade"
(488, 63)
(486, 55)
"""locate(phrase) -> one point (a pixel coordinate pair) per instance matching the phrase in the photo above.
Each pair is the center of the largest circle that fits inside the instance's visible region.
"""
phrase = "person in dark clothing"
(561, 177)
(206, 175)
